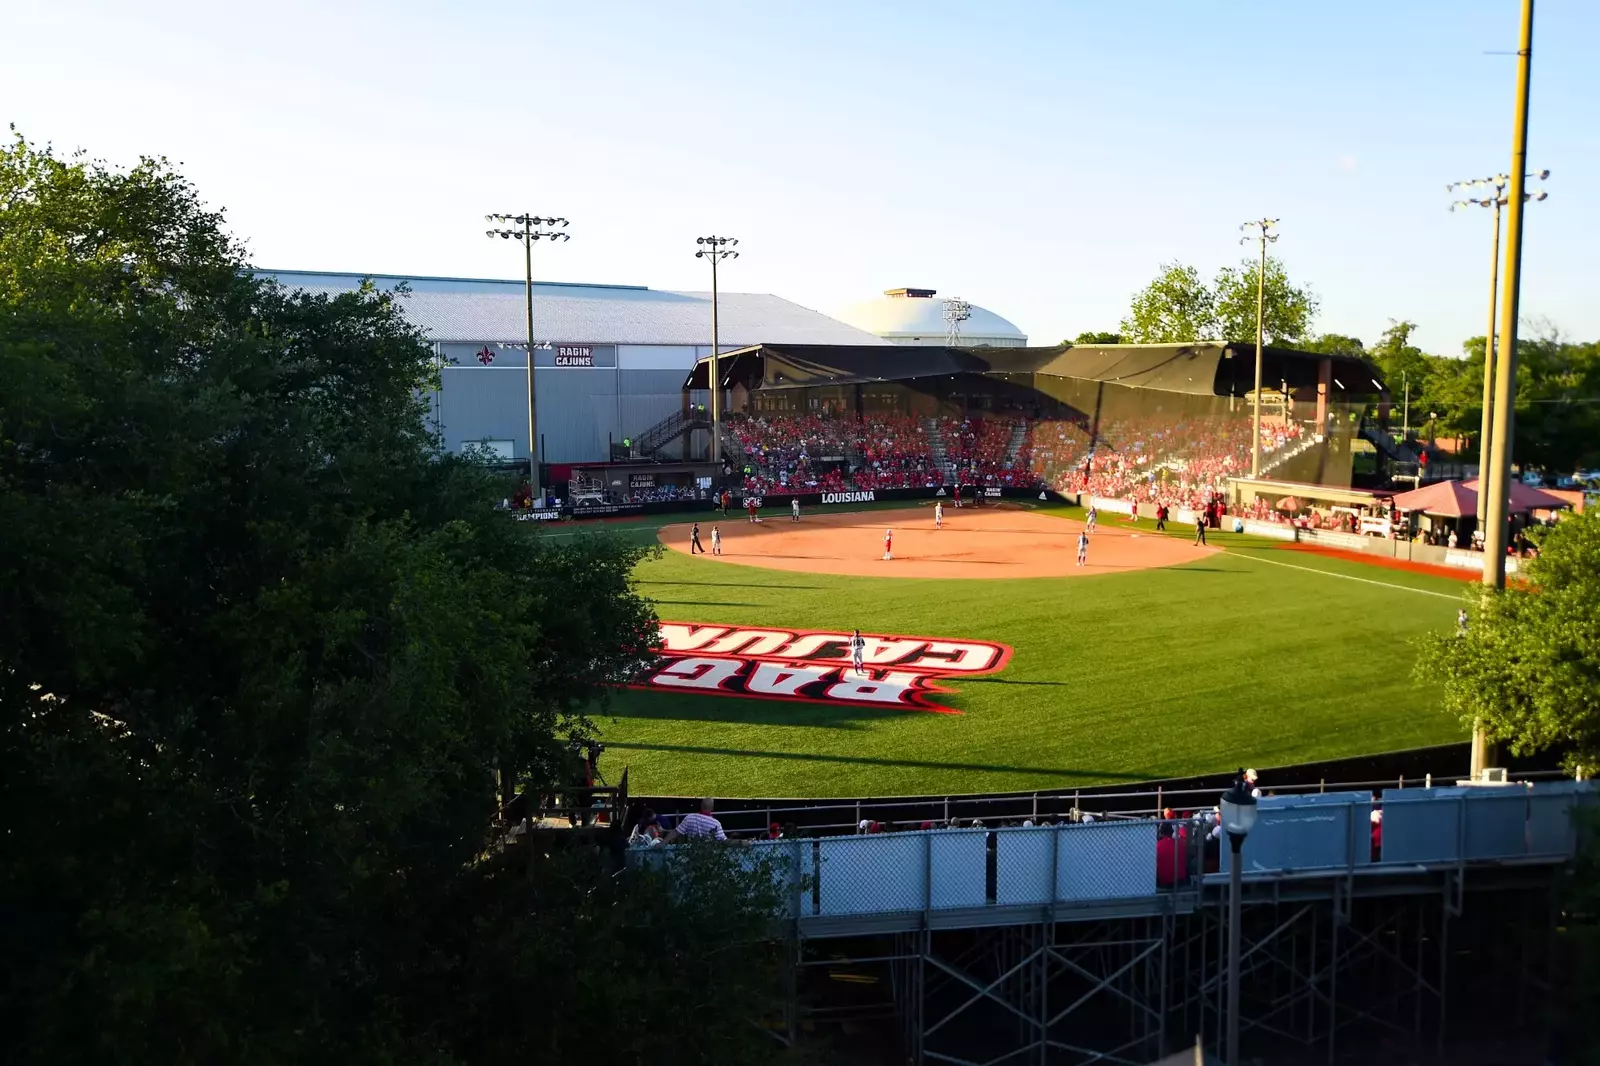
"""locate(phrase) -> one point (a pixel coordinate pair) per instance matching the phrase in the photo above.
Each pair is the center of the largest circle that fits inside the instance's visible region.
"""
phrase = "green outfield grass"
(1256, 655)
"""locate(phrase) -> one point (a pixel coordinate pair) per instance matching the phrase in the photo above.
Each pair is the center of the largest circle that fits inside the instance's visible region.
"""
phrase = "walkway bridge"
(1055, 944)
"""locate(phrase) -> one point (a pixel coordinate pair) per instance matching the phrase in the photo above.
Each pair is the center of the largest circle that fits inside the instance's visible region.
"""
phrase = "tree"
(1091, 337)
(1175, 307)
(262, 646)
(1335, 344)
(1528, 667)
(1288, 310)
(1529, 664)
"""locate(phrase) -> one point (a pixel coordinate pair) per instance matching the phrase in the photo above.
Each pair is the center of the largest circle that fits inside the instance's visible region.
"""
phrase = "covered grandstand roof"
(480, 309)
(1204, 369)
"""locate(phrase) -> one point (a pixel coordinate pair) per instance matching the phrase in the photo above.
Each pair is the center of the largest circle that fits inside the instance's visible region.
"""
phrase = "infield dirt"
(976, 542)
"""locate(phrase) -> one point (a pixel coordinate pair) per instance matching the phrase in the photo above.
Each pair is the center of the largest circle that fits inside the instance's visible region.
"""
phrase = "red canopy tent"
(1458, 499)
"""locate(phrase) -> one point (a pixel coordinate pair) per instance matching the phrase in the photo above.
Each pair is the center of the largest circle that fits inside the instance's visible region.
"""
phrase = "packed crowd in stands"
(1174, 459)
(1182, 461)
(979, 451)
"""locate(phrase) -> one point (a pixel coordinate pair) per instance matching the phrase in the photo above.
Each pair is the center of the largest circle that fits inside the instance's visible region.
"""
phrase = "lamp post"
(1265, 236)
(715, 248)
(1495, 187)
(1238, 816)
(526, 228)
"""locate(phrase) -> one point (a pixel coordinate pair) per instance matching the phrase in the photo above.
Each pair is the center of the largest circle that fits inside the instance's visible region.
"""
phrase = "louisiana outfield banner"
(815, 666)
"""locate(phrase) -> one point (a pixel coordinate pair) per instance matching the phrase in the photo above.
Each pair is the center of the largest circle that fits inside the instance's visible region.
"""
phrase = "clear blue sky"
(1040, 159)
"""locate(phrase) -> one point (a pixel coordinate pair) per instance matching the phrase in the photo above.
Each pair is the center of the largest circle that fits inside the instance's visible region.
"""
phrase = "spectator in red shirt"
(1172, 866)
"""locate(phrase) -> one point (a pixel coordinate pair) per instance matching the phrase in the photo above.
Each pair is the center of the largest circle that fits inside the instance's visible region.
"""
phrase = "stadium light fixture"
(529, 228)
(1264, 236)
(715, 249)
(1494, 197)
(1238, 810)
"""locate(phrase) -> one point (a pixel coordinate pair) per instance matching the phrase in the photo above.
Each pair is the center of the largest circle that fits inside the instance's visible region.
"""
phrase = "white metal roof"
(899, 317)
(479, 309)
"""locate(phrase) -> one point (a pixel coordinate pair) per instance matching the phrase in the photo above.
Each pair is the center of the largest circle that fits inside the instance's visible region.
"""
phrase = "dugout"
(1119, 395)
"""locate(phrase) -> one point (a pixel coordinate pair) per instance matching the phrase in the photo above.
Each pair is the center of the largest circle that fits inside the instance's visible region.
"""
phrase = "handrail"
(961, 874)
(1017, 806)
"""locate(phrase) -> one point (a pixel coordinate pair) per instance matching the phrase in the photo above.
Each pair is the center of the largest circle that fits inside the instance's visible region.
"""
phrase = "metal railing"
(1115, 860)
(747, 819)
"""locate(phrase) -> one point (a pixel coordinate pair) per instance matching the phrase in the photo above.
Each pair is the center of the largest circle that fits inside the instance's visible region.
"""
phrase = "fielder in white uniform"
(794, 509)
(858, 651)
(938, 514)
(1093, 515)
(1083, 547)
(716, 540)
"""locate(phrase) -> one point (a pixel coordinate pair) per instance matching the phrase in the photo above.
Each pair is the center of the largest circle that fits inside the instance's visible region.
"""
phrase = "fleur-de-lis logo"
(485, 356)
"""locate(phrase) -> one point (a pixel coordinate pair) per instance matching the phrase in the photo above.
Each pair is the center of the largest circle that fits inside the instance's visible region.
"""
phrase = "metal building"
(609, 360)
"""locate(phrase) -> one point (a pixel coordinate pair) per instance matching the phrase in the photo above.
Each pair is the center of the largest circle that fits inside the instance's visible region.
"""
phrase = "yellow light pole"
(1497, 473)
(1265, 236)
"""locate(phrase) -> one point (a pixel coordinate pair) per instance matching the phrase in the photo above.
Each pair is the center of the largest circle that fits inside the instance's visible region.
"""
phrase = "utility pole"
(1497, 474)
(715, 248)
(1496, 199)
(1265, 236)
(525, 228)
(1405, 407)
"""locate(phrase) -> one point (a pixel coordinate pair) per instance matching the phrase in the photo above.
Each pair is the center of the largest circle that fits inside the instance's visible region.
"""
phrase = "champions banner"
(814, 666)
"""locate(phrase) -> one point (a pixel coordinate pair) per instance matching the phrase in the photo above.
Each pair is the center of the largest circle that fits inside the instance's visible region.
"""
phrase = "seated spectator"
(647, 833)
(1172, 860)
(700, 824)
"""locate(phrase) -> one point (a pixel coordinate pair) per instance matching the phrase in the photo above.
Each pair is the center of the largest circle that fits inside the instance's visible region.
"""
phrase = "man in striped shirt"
(700, 824)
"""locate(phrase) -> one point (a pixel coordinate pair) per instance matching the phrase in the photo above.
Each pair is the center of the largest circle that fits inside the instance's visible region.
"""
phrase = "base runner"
(1094, 514)
(750, 505)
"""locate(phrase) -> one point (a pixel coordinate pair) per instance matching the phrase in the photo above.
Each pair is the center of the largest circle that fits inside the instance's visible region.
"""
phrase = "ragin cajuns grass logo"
(814, 666)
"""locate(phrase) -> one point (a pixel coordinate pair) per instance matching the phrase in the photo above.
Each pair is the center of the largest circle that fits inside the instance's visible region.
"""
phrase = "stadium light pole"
(1238, 818)
(1495, 474)
(1265, 236)
(1496, 513)
(526, 228)
(1495, 187)
(715, 248)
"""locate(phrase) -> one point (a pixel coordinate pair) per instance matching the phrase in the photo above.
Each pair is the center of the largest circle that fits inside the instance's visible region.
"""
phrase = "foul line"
(1347, 577)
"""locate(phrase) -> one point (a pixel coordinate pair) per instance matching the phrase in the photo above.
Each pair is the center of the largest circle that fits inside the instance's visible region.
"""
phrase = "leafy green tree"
(1528, 667)
(262, 648)
(1334, 344)
(1287, 309)
(1176, 307)
(1091, 337)
(1529, 664)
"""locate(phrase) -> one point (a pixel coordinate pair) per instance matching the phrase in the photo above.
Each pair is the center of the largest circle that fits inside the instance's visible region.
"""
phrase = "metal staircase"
(941, 459)
(664, 432)
(1019, 437)
(1386, 446)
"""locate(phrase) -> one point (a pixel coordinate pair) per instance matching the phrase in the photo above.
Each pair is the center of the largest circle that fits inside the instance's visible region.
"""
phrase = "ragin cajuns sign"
(815, 666)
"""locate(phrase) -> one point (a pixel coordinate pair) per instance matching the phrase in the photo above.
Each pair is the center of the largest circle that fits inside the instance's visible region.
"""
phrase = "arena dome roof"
(916, 316)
